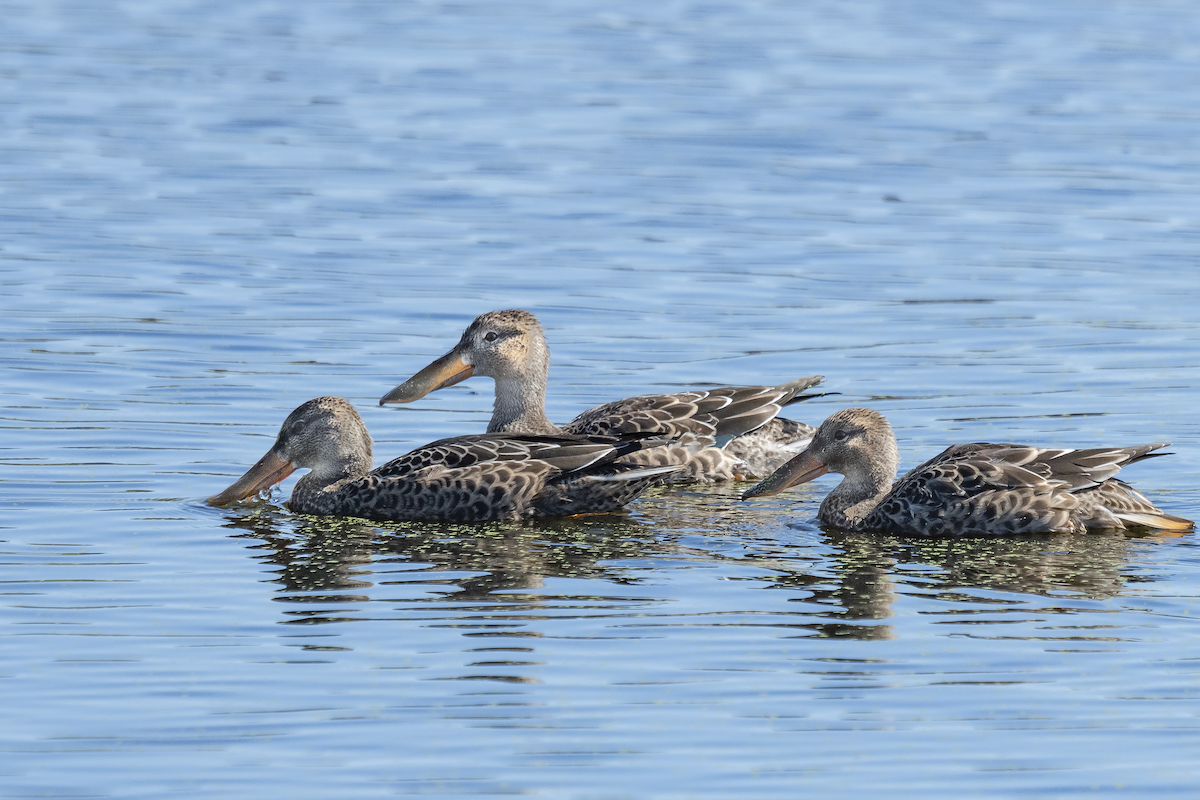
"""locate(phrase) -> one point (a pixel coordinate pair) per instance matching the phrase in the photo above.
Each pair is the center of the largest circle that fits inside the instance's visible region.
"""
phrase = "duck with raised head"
(969, 489)
(721, 433)
(463, 479)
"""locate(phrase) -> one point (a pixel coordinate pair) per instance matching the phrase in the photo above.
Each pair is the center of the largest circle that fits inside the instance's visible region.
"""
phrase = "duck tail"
(792, 390)
(1161, 521)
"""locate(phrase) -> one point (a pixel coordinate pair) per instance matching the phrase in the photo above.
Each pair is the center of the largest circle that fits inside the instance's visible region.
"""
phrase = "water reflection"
(494, 578)
(465, 562)
(1094, 566)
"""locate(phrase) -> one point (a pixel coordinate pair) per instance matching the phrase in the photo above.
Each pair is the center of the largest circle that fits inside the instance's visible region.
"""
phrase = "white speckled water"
(981, 219)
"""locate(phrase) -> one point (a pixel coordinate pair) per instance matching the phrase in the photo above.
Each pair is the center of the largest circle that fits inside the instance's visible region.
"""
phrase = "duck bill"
(269, 470)
(801, 469)
(446, 371)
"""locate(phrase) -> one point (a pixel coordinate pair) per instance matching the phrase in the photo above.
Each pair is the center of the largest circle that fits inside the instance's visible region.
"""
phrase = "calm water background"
(981, 219)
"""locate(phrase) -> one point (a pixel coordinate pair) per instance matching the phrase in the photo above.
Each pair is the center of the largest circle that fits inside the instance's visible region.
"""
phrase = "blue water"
(980, 219)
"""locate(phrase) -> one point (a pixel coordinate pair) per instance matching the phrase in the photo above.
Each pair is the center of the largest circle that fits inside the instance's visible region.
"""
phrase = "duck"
(719, 434)
(460, 479)
(968, 489)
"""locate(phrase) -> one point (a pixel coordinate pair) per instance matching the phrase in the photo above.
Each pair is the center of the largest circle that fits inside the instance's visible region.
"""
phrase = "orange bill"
(801, 469)
(269, 470)
(446, 371)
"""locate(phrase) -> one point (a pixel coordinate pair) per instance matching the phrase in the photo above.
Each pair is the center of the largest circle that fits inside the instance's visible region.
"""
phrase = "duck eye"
(491, 336)
(840, 436)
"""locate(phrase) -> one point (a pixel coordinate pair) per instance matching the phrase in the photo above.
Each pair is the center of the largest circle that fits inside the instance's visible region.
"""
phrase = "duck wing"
(1010, 488)
(502, 476)
(719, 414)
(968, 468)
(558, 453)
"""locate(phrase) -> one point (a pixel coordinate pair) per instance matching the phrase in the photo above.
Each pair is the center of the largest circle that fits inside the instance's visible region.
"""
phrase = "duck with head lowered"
(721, 433)
(462, 479)
(969, 489)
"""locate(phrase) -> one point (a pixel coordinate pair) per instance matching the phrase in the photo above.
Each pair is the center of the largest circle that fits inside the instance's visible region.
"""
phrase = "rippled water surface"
(981, 219)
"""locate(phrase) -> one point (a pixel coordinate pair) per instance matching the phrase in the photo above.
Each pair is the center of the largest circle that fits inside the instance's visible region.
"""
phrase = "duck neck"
(321, 490)
(862, 489)
(520, 405)
(520, 408)
(348, 465)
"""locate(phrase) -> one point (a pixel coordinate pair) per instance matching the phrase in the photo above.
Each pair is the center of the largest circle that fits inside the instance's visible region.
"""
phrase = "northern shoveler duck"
(737, 427)
(463, 479)
(969, 489)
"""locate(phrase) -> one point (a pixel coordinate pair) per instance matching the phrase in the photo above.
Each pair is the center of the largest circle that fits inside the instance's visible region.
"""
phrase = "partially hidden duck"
(719, 434)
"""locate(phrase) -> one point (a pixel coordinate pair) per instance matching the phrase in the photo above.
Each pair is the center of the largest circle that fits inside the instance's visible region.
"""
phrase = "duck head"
(857, 443)
(325, 435)
(507, 346)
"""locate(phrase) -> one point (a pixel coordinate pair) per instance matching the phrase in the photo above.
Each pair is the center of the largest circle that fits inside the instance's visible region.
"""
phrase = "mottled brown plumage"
(720, 433)
(969, 489)
(463, 479)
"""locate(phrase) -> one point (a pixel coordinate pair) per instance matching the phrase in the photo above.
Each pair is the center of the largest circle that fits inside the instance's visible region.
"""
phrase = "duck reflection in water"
(846, 584)
(323, 554)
